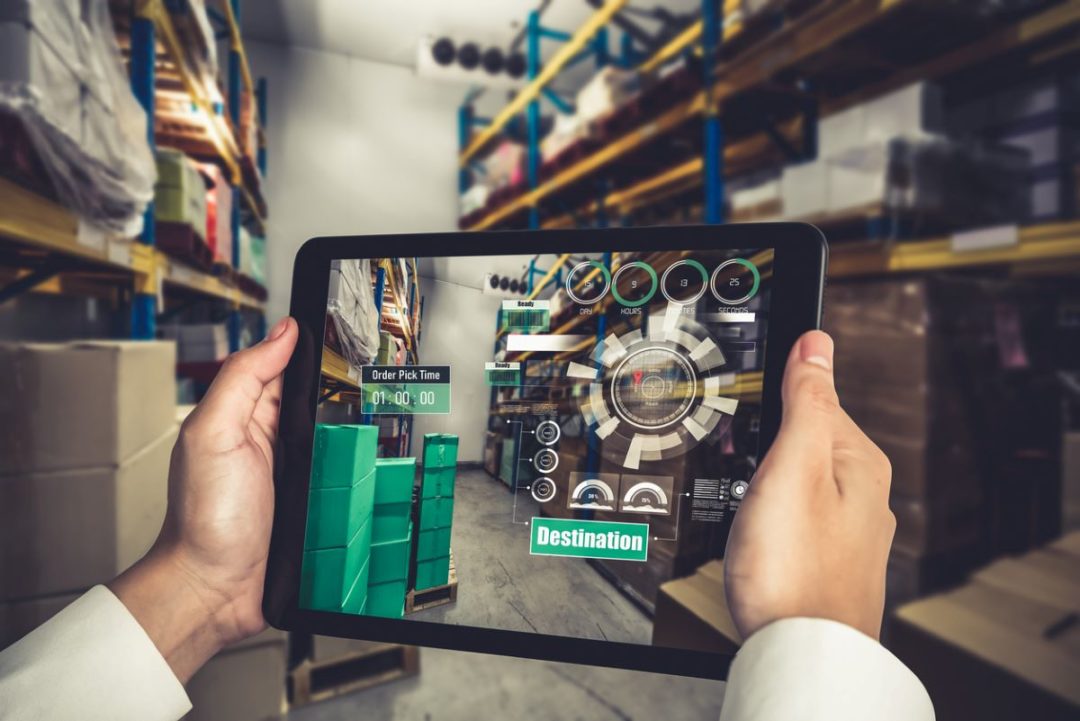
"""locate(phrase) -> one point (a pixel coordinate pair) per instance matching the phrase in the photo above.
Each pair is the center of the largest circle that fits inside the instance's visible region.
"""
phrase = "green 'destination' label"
(589, 539)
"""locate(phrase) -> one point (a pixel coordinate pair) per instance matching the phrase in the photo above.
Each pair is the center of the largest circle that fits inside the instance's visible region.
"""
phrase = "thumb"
(231, 399)
(810, 403)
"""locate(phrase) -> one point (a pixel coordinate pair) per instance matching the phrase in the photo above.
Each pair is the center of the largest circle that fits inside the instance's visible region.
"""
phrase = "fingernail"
(817, 348)
(278, 329)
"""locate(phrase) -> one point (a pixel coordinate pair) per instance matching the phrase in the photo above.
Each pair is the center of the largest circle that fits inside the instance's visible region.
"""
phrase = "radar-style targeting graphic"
(654, 398)
(646, 494)
(543, 490)
(597, 491)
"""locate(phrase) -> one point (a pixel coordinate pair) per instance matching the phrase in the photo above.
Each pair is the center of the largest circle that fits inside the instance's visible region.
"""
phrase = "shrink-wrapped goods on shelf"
(567, 130)
(505, 166)
(62, 76)
(180, 191)
(351, 305)
(958, 184)
(474, 199)
(219, 200)
(803, 189)
(915, 111)
(607, 90)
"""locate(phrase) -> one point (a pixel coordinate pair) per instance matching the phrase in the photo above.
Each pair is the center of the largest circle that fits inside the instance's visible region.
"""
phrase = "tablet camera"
(543, 490)
(546, 460)
(739, 489)
(593, 492)
(548, 433)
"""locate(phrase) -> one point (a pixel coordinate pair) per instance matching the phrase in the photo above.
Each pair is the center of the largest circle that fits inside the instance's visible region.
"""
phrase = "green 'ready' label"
(589, 539)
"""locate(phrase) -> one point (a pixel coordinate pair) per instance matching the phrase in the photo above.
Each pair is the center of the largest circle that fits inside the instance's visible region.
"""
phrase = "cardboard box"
(1004, 646)
(1070, 481)
(85, 404)
(431, 573)
(440, 450)
(438, 482)
(804, 189)
(914, 111)
(394, 478)
(328, 575)
(246, 684)
(64, 531)
(342, 453)
(18, 618)
(692, 613)
(336, 514)
(199, 342)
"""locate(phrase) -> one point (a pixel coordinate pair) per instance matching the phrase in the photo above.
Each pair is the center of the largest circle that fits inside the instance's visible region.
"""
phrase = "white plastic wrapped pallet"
(62, 75)
(352, 306)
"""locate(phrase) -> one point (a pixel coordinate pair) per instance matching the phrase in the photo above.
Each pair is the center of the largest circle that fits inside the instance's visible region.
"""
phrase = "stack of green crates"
(337, 541)
(391, 540)
(436, 510)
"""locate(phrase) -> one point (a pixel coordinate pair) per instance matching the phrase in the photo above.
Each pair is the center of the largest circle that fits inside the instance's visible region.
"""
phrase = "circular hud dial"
(653, 388)
(588, 282)
(655, 395)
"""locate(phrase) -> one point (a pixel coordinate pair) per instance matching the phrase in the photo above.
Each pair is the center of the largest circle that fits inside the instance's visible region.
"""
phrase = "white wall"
(459, 331)
(355, 147)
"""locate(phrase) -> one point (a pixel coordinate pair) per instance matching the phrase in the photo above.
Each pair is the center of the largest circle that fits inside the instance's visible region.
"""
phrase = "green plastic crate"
(440, 450)
(327, 574)
(394, 479)
(386, 600)
(435, 572)
(390, 521)
(432, 543)
(436, 513)
(438, 482)
(356, 599)
(341, 454)
(336, 514)
(390, 561)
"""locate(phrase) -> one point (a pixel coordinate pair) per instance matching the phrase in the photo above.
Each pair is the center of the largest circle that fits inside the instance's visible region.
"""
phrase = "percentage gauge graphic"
(655, 397)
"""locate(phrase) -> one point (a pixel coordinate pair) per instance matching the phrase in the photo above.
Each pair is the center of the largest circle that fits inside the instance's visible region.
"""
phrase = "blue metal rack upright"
(143, 54)
(236, 320)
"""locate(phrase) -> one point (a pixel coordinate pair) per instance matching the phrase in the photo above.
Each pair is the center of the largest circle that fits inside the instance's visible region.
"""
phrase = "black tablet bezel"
(801, 254)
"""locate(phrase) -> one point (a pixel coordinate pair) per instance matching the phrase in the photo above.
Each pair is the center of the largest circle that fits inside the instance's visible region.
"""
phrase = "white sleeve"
(817, 670)
(91, 661)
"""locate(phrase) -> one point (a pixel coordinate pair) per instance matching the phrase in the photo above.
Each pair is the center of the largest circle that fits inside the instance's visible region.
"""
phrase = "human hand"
(200, 586)
(812, 536)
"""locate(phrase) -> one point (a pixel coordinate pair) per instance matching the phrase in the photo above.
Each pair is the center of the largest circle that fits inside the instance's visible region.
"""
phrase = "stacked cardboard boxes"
(436, 510)
(941, 373)
(391, 540)
(244, 682)
(88, 429)
(692, 613)
(1004, 645)
(337, 545)
(180, 193)
(198, 342)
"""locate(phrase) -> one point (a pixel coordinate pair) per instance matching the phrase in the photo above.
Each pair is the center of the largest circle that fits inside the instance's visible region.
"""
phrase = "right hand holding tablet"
(813, 534)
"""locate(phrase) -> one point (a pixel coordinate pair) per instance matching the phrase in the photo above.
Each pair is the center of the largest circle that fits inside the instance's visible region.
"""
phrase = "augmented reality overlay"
(620, 435)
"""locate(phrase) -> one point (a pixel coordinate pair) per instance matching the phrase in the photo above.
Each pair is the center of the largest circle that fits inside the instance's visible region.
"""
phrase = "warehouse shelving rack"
(399, 304)
(817, 38)
(51, 250)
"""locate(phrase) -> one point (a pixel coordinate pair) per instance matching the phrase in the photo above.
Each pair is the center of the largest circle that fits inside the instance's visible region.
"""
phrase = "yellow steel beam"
(631, 141)
(532, 91)
(336, 368)
(1036, 243)
(549, 275)
(236, 43)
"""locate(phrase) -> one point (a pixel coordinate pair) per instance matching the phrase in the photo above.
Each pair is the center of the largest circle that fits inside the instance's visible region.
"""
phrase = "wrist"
(186, 620)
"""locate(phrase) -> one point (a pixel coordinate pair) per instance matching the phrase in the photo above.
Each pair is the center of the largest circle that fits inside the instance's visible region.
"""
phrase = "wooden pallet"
(314, 681)
(435, 596)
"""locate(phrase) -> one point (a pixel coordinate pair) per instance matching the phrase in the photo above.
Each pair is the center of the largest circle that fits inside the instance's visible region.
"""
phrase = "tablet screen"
(554, 446)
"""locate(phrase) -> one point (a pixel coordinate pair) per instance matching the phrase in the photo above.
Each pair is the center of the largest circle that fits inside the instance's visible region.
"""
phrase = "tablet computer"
(520, 443)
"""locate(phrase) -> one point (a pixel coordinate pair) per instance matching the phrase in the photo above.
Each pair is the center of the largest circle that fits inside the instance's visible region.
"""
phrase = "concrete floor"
(502, 586)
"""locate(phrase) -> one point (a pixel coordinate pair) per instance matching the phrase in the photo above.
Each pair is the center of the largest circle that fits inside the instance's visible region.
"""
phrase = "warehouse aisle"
(501, 585)
(458, 686)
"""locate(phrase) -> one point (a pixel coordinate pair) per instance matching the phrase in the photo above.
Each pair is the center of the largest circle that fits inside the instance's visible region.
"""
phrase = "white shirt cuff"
(812, 668)
(91, 661)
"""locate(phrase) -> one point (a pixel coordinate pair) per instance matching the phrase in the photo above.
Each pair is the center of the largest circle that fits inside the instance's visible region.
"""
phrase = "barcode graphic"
(503, 377)
(526, 318)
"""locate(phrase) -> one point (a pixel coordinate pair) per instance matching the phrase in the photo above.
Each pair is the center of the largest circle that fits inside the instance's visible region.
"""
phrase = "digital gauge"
(655, 395)
(653, 388)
